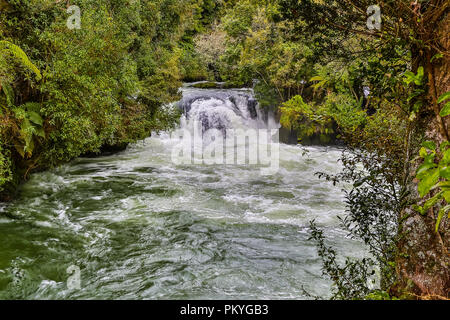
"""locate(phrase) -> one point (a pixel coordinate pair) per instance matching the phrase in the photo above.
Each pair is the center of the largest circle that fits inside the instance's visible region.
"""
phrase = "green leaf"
(25, 127)
(445, 172)
(35, 118)
(419, 76)
(432, 201)
(430, 145)
(423, 152)
(319, 84)
(444, 97)
(438, 222)
(446, 158)
(417, 105)
(444, 145)
(423, 169)
(437, 56)
(428, 182)
(29, 146)
(446, 195)
(429, 158)
(316, 78)
(32, 106)
(414, 94)
(445, 111)
(9, 93)
(419, 209)
(409, 74)
(444, 185)
(19, 149)
(447, 209)
(40, 132)
(408, 77)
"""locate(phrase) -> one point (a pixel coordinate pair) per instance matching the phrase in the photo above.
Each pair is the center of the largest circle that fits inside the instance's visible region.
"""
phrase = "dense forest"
(328, 70)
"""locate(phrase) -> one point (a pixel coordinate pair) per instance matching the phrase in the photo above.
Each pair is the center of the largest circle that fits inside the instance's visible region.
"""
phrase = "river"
(138, 226)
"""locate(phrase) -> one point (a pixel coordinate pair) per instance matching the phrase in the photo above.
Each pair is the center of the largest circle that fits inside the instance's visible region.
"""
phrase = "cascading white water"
(222, 109)
(228, 124)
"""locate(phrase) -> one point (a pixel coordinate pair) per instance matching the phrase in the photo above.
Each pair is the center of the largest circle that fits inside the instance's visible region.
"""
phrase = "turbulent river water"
(138, 226)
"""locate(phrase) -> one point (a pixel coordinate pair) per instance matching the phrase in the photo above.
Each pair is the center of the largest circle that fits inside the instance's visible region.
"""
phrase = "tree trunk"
(423, 262)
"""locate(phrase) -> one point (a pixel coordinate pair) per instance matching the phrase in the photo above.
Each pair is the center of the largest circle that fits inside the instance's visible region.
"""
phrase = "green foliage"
(380, 295)
(193, 67)
(258, 47)
(306, 117)
(434, 179)
(27, 121)
(310, 118)
(30, 127)
(415, 82)
(414, 78)
(5, 167)
(346, 112)
(445, 111)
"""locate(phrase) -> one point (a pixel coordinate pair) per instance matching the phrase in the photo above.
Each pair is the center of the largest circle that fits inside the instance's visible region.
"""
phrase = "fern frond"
(8, 48)
(9, 94)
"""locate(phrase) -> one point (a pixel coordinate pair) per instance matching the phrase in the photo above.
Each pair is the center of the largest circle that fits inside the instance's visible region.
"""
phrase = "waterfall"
(222, 109)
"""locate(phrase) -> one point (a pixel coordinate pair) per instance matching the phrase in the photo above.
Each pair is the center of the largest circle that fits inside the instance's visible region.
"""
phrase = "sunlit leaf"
(444, 97)
(428, 182)
(445, 111)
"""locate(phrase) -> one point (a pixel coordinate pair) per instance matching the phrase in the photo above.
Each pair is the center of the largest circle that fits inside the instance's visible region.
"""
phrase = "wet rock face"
(251, 106)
